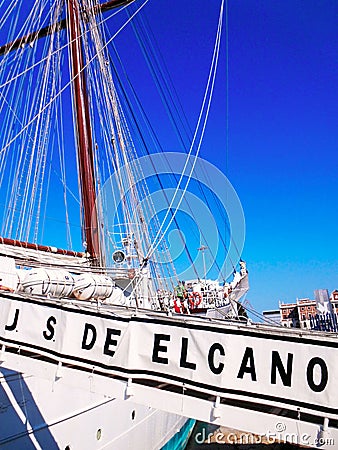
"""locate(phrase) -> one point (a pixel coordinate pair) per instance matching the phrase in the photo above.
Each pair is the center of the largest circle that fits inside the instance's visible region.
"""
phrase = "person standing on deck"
(182, 297)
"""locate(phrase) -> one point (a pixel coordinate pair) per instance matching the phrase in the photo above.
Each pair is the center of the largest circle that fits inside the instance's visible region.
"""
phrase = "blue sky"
(282, 153)
(284, 119)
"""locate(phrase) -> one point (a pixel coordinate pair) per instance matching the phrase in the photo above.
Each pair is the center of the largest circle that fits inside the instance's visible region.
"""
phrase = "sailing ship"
(92, 354)
(36, 150)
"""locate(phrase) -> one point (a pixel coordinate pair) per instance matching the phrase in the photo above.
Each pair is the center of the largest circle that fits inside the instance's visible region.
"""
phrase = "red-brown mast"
(83, 128)
(82, 115)
(83, 131)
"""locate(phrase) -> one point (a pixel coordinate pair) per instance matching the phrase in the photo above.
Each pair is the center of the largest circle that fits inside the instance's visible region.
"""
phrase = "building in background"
(320, 313)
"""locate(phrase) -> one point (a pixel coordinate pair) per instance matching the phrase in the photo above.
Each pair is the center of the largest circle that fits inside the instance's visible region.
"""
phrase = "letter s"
(50, 327)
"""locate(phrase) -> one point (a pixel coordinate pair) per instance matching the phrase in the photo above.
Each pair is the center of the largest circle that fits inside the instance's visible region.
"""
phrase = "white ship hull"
(77, 377)
(47, 406)
(38, 413)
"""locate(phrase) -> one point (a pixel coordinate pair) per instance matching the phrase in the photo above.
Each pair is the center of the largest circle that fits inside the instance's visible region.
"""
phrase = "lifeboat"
(89, 285)
(48, 282)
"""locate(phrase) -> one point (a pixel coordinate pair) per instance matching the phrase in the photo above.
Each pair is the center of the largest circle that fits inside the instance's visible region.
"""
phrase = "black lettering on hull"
(324, 374)
(109, 341)
(248, 365)
(211, 358)
(51, 322)
(87, 340)
(160, 348)
(15, 322)
(184, 352)
(285, 375)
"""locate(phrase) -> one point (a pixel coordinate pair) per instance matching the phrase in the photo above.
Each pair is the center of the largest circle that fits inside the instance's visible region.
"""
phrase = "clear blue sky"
(282, 156)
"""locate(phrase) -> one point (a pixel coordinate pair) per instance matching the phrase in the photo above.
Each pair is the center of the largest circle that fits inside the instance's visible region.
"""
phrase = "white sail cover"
(49, 258)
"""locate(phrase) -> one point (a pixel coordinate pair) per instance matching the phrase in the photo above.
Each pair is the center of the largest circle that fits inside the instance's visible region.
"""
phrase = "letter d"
(89, 345)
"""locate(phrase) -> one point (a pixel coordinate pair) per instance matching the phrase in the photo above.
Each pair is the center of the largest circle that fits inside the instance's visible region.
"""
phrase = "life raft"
(195, 299)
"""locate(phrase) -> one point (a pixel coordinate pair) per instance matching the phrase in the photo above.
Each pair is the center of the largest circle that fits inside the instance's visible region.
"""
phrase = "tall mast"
(83, 133)
(83, 128)
(82, 115)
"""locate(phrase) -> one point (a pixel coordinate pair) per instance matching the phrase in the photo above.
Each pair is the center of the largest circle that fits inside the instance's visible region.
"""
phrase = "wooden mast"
(83, 128)
(83, 133)
(82, 114)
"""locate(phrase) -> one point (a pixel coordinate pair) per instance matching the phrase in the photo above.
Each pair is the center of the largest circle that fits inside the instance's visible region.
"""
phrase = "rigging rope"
(52, 100)
(67, 45)
(206, 101)
(172, 106)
